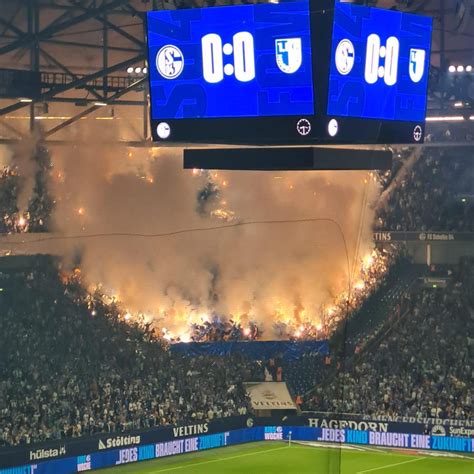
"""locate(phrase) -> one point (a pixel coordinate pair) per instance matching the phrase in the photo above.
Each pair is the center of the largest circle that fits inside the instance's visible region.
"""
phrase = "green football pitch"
(279, 458)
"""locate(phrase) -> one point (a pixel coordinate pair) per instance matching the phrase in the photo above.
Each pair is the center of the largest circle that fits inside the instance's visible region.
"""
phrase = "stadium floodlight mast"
(137, 71)
(460, 68)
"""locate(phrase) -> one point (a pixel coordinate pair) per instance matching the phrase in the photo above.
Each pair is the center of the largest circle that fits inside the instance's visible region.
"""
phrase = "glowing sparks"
(223, 214)
(289, 319)
(368, 261)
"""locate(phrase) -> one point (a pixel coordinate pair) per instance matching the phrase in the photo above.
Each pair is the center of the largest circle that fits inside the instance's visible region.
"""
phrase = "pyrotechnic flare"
(237, 273)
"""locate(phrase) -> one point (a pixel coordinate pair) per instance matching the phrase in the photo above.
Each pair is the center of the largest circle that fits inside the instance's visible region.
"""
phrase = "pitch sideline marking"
(390, 465)
(219, 460)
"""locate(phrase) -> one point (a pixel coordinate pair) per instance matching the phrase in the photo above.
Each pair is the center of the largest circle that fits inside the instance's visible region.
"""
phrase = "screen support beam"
(287, 159)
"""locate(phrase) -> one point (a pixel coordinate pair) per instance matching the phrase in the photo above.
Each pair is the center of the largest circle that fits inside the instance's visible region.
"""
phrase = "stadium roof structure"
(87, 61)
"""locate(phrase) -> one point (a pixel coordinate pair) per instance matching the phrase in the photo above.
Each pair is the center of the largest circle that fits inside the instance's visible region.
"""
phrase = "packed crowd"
(71, 368)
(36, 214)
(432, 192)
(373, 275)
(422, 367)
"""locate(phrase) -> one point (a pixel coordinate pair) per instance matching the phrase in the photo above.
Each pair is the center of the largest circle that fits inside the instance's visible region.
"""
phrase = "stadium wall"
(170, 441)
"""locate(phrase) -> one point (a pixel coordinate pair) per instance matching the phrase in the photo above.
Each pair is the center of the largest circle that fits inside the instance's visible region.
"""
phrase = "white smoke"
(261, 272)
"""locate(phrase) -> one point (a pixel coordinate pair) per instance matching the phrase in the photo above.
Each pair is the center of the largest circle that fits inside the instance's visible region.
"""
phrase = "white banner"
(270, 396)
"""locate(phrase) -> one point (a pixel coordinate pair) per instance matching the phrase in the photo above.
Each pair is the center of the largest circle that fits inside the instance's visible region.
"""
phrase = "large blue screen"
(380, 64)
(240, 61)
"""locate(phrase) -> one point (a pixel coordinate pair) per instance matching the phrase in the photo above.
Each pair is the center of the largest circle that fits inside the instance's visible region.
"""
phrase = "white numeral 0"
(391, 61)
(212, 62)
(372, 59)
(244, 57)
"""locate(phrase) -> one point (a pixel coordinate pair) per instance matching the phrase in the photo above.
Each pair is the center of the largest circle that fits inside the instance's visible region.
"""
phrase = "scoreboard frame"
(283, 130)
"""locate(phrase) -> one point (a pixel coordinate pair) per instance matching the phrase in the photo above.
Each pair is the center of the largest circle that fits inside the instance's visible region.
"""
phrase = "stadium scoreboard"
(295, 73)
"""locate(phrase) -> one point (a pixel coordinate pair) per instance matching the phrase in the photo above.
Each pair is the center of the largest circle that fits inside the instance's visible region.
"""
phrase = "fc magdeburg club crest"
(289, 55)
(417, 64)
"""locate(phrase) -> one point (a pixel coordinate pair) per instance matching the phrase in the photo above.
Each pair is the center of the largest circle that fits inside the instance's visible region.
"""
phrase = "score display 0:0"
(213, 52)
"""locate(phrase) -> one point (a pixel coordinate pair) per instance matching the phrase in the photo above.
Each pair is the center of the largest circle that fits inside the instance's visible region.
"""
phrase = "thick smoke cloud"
(267, 273)
(262, 272)
(27, 165)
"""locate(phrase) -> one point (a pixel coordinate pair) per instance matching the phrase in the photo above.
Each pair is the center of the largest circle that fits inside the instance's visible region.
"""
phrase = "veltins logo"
(170, 62)
(189, 430)
(289, 54)
(119, 441)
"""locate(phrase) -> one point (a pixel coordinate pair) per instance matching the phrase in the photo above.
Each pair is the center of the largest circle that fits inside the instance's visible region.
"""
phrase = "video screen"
(243, 61)
(291, 73)
(380, 64)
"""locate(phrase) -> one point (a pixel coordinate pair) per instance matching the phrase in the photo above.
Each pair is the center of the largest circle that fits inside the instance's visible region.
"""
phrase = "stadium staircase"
(376, 316)
(382, 305)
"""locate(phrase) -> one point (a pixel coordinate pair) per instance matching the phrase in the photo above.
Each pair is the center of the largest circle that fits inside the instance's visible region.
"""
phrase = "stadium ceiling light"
(469, 68)
(130, 70)
(452, 68)
(471, 117)
(448, 118)
(100, 104)
(26, 101)
(458, 104)
(460, 68)
(138, 70)
(145, 70)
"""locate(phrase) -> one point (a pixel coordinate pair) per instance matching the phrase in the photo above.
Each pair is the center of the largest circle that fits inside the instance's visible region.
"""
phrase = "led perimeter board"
(302, 72)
